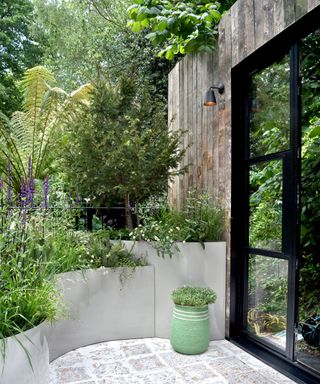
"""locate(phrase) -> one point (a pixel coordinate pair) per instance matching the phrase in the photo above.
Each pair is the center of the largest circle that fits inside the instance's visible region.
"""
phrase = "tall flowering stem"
(46, 192)
(23, 201)
(1, 192)
(9, 190)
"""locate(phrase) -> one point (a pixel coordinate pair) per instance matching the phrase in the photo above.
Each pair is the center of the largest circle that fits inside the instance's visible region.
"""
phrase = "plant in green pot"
(190, 325)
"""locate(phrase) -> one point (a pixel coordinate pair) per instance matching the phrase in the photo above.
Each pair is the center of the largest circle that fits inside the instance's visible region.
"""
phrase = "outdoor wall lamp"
(210, 98)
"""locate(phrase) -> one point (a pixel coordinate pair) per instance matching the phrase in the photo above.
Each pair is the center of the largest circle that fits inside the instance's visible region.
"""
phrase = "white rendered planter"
(100, 307)
(21, 367)
(193, 265)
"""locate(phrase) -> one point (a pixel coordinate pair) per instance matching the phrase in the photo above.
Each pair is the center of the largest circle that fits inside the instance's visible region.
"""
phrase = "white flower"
(12, 226)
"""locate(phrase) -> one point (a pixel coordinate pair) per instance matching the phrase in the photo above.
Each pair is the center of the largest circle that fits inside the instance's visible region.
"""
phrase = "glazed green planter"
(190, 329)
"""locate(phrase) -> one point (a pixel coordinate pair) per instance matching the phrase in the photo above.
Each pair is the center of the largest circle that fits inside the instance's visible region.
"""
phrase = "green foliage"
(265, 223)
(27, 297)
(33, 133)
(179, 27)
(200, 220)
(36, 244)
(268, 285)
(270, 130)
(81, 36)
(193, 296)
(125, 133)
(99, 252)
(309, 284)
(19, 51)
(261, 322)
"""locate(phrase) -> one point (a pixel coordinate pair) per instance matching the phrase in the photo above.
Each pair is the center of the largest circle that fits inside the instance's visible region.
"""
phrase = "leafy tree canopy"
(81, 37)
(178, 27)
(121, 151)
(18, 51)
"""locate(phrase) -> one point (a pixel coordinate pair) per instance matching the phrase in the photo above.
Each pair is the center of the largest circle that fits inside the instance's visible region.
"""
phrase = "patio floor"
(152, 361)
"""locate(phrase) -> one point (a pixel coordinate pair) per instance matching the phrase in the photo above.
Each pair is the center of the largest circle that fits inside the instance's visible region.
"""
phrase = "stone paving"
(152, 361)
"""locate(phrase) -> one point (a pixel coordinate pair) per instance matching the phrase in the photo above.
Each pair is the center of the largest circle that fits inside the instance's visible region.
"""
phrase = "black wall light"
(210, 98)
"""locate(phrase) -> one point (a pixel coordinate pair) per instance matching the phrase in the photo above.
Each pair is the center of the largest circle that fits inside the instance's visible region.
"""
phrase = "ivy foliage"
(178, 27)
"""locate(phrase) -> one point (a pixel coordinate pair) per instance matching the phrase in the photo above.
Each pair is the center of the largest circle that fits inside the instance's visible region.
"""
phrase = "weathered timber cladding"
(248, 25)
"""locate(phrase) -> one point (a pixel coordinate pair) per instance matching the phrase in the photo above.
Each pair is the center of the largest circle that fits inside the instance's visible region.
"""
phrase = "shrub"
(200, 220)
(193, 296)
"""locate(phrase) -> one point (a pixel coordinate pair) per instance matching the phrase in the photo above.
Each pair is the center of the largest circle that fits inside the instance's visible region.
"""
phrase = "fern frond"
(34, 86)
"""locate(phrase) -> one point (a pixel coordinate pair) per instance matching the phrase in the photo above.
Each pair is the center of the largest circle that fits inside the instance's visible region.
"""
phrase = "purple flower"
(23, 201)
(9, 190)
(31, 190)
(46, 192)
(30, 168)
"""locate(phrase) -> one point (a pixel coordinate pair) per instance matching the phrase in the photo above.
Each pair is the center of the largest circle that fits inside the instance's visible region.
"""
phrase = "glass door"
(275, 269)
(308, 331)
(267, 252)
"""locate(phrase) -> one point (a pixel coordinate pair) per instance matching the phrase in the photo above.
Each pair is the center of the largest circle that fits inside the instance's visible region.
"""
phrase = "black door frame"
(271, 52)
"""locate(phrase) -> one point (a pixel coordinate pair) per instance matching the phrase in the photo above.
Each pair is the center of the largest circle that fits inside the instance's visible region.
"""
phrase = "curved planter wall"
(101, 305)
(111, 304)
(192, 265)
(21, 367)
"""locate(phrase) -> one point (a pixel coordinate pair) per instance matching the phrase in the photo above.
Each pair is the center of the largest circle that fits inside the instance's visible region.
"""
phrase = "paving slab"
(153, 361)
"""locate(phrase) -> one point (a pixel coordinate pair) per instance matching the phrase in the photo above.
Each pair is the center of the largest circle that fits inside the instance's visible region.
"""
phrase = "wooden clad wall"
(244, 28)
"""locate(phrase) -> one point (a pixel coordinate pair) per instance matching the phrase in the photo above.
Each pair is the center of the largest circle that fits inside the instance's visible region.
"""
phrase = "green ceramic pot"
(190, 329)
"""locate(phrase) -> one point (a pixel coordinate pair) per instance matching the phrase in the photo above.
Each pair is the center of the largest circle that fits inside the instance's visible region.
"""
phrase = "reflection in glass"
(270, 110)
(267, 299)
(265, 222)
(308, 337)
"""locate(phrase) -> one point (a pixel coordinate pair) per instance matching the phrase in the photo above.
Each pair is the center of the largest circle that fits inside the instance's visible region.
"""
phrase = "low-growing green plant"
(99, 251)
(27, 296)
(193, 296)
(199, 221)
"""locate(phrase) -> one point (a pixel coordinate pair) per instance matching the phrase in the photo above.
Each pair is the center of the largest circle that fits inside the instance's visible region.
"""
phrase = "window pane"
(270, 110)
(267, 299)
(265, 222)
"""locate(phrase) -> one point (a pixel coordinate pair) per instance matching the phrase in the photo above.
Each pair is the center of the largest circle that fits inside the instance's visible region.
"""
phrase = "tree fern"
(32, 132)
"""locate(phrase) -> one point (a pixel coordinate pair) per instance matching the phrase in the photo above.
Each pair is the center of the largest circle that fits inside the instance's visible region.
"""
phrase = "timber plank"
(301, 8)
(278, 16)
(240, 23)
(235, 35)
(289, 12)
(203, 80)
(175, 109)
(264, 21)
(249, 36)
(208, 122)
(312, 4)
